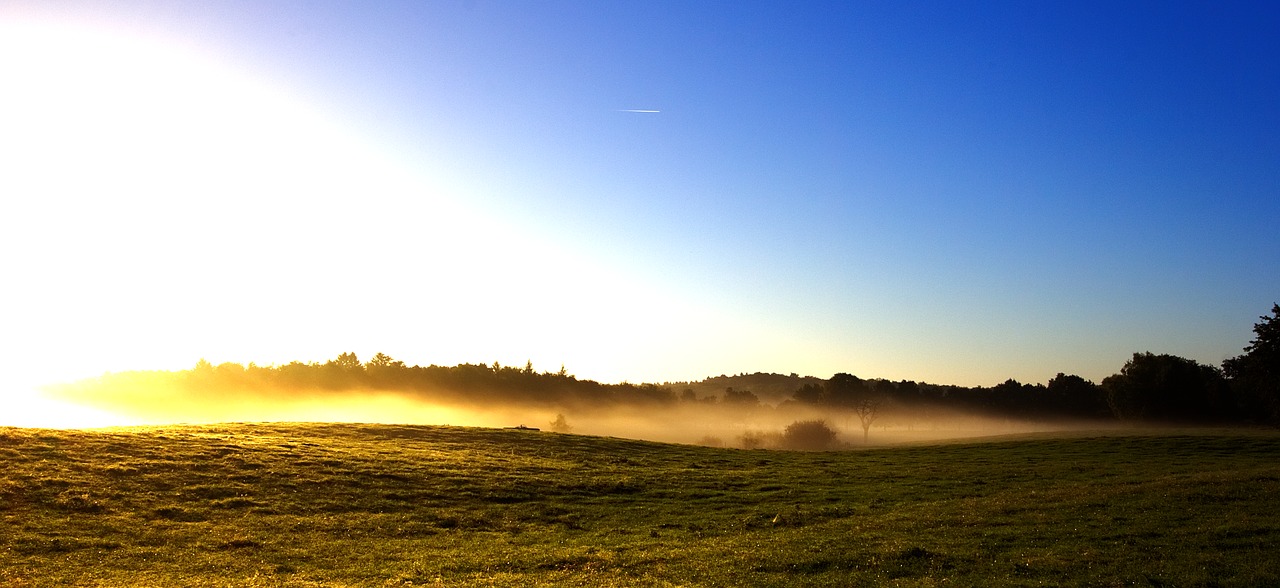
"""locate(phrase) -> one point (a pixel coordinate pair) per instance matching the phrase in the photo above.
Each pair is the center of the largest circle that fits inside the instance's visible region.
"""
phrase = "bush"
(808, 436)
(561, 425)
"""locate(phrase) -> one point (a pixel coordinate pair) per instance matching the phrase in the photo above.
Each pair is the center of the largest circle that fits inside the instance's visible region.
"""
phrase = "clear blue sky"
(946, 192)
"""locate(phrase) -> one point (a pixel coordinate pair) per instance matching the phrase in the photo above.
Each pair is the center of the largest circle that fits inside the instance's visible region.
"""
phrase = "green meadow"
(380, 505)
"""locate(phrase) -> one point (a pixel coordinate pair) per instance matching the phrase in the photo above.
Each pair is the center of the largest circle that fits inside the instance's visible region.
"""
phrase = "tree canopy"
(1256, 372)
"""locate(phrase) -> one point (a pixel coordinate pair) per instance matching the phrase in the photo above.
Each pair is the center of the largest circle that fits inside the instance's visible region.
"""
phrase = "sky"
(955, 193)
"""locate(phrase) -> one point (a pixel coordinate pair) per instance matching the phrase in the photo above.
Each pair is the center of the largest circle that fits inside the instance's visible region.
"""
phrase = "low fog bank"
(700, 422)
(766, 427)
(747, 410)
(757, 410)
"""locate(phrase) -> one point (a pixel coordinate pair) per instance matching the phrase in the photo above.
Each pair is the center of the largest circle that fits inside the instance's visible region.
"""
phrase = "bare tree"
(867, 409)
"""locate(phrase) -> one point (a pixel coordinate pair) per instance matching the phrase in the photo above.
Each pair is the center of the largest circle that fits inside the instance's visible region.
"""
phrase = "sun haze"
(955, 194)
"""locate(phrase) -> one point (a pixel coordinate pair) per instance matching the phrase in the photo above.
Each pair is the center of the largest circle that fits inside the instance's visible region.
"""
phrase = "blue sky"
(946, 192)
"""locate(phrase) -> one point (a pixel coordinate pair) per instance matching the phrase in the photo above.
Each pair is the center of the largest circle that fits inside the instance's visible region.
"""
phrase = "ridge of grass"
(387, 505)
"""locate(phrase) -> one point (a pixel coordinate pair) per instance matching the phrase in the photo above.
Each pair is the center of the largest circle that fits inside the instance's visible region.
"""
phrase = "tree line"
(1150, 387)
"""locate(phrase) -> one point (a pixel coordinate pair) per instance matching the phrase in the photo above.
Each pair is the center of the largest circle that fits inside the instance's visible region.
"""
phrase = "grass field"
(378, 505)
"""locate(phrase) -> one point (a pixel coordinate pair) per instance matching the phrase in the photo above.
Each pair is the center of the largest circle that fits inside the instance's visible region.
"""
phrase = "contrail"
(633, 110)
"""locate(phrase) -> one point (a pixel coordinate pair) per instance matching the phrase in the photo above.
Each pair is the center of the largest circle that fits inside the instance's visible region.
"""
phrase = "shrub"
(808, 436)
(561, 425)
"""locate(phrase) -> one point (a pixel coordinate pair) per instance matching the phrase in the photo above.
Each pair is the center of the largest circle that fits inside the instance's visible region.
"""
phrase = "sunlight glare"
(170, 207)
(33, 409)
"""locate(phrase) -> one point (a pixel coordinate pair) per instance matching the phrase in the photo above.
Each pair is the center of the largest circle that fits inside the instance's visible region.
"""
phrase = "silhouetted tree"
(809, 394)
(1075, 396)
(844, 389)
(881, 388)
(1255, 374)
(740, 397)
(860, 397)
(909, 391)
(1166, 387)
(1009, 396)
(381, 360)
(384, 371)
(868, 410)
(344, 372)
(347, 361)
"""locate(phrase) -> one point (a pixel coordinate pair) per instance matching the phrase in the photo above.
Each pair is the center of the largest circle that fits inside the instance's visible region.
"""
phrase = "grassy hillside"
(377, 505)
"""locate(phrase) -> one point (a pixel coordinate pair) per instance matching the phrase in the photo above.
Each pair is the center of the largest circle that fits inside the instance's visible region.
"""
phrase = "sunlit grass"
(377, 505)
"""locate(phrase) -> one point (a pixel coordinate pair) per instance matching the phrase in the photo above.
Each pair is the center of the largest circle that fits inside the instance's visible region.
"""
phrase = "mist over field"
(706, 421)
(760, 410)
